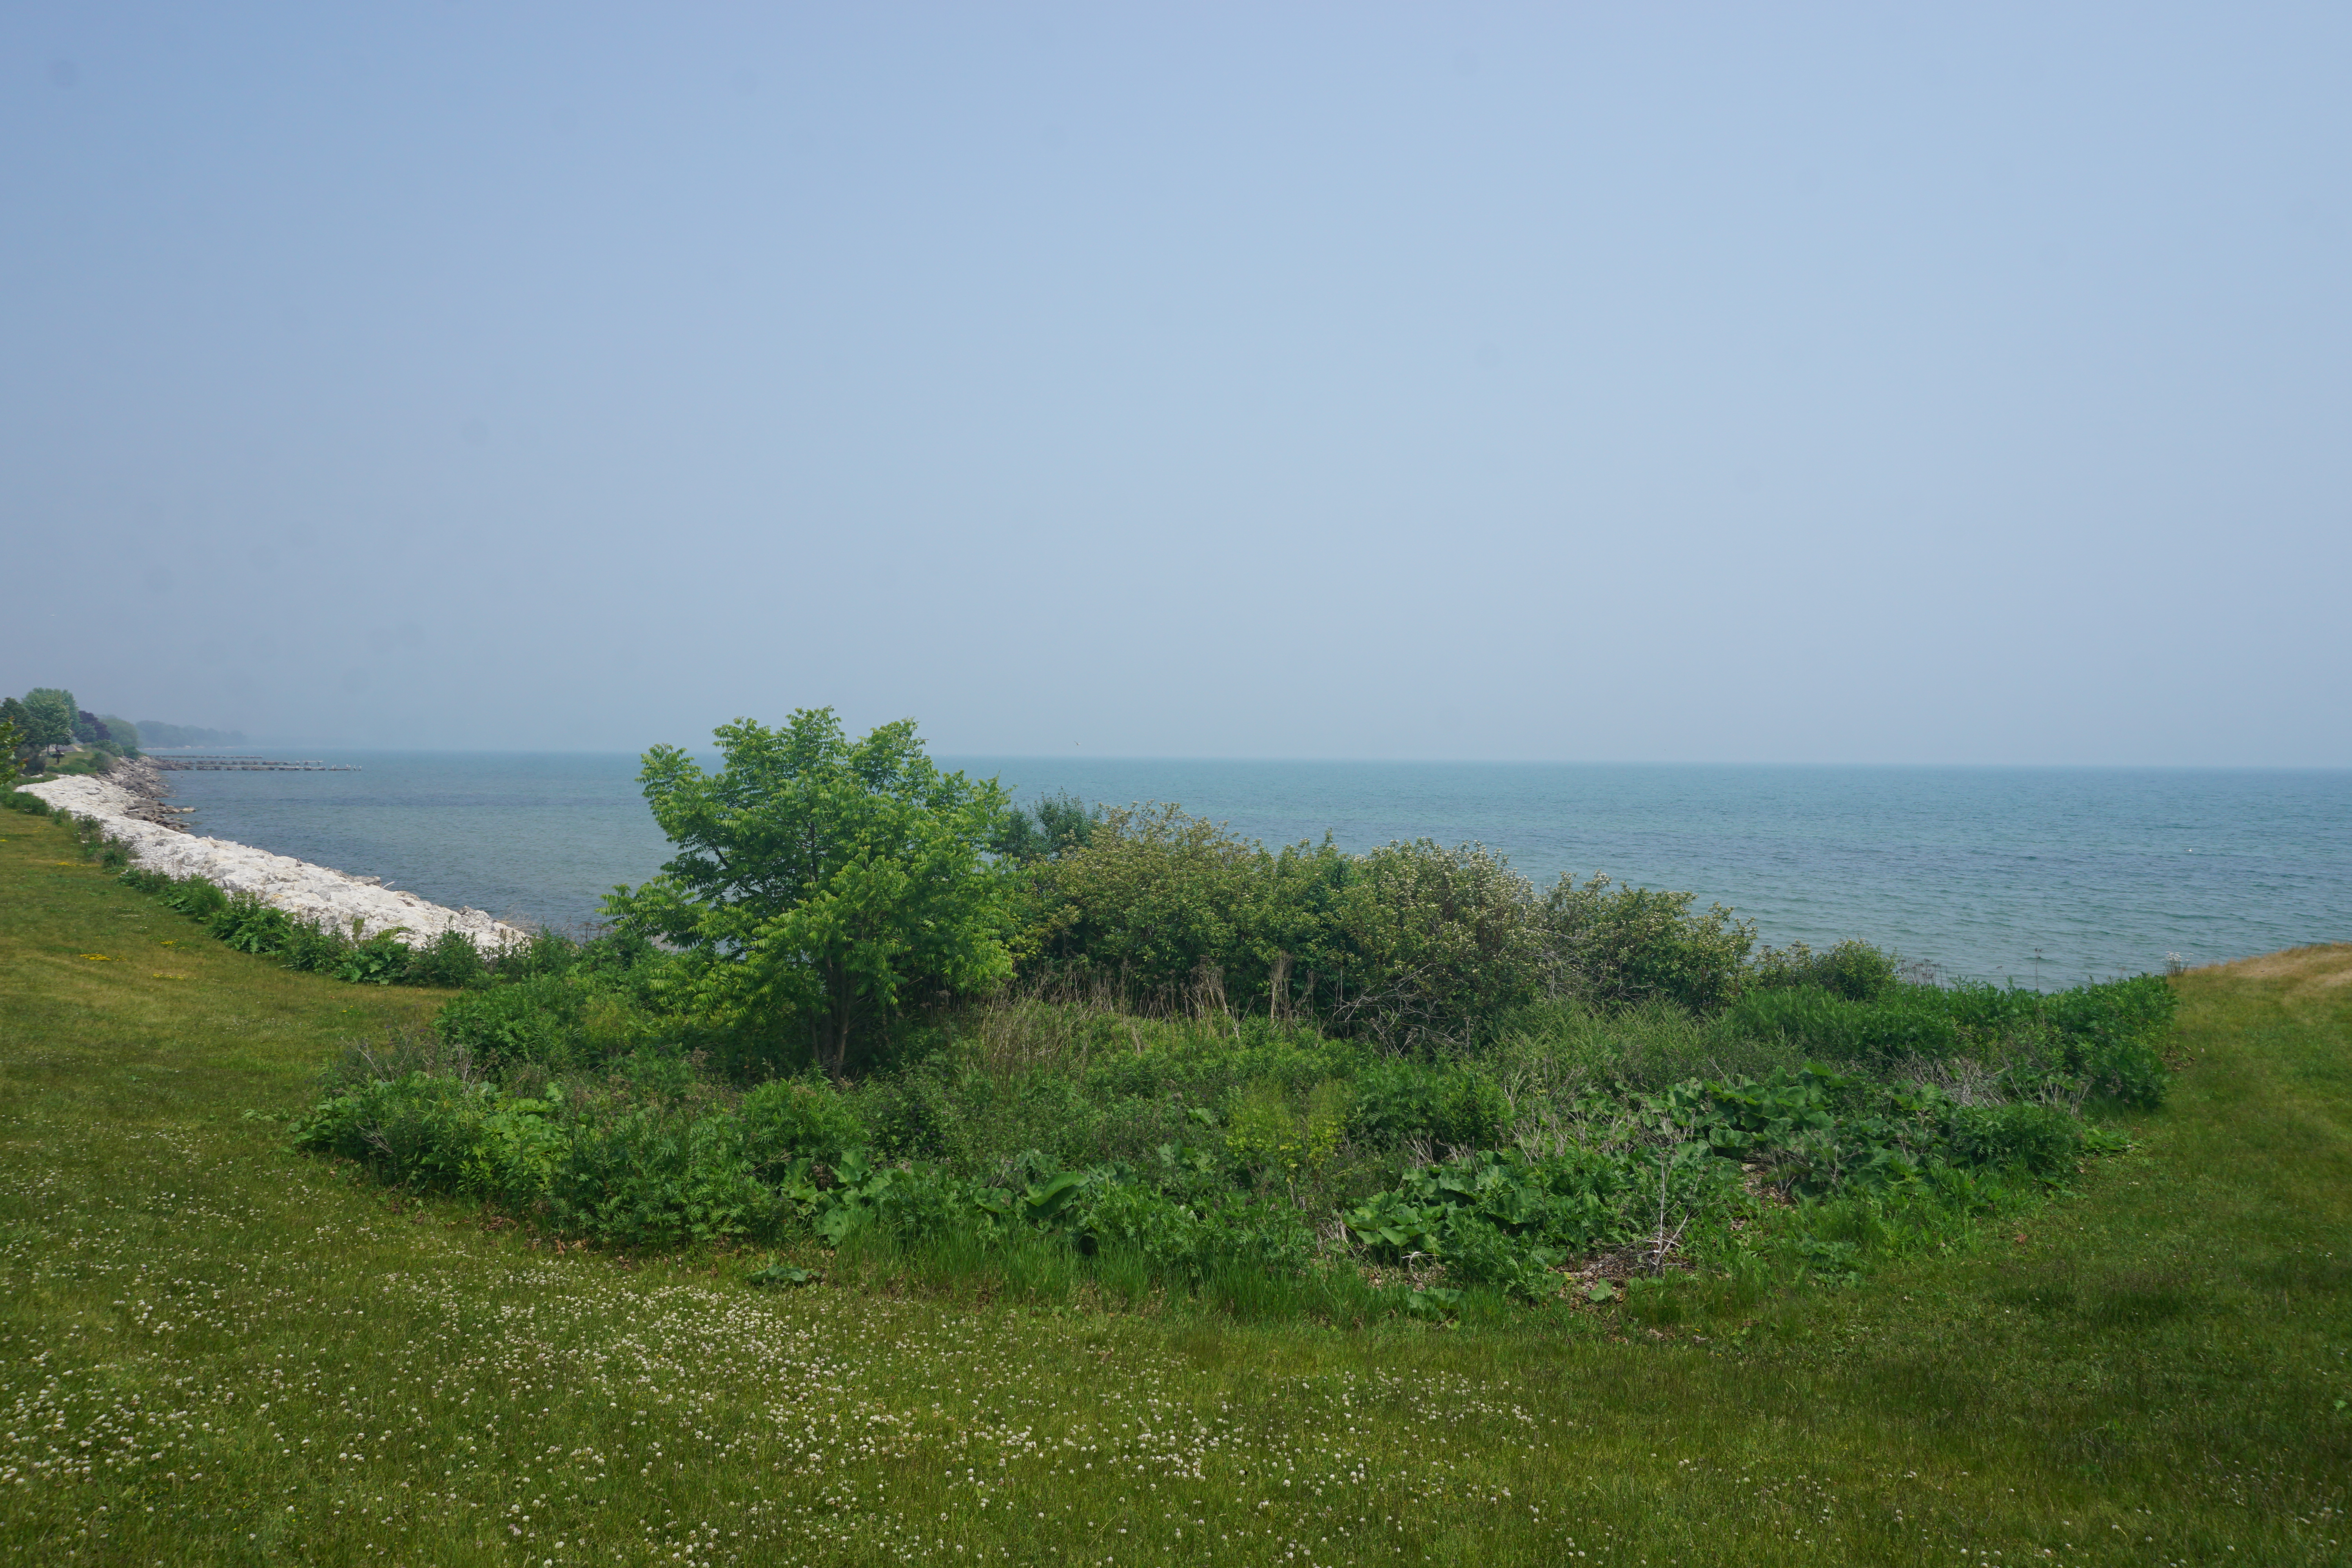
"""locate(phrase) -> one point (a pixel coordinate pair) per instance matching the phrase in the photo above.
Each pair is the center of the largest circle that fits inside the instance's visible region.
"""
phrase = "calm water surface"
(2038, 874)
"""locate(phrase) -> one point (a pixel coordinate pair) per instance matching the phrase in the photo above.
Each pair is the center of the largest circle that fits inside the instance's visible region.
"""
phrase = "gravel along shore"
(305, 891)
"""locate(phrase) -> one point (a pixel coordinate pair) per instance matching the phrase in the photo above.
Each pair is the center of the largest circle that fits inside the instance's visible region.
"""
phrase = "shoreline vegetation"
(873, 1023)
(216, 1351)
(278, 903)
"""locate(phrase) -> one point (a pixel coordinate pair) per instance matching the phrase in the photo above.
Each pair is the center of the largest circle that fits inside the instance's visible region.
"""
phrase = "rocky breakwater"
(143, 782)
(305, 891)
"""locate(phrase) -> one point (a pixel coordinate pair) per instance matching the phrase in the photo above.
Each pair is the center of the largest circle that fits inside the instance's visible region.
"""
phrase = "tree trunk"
(833, 1036)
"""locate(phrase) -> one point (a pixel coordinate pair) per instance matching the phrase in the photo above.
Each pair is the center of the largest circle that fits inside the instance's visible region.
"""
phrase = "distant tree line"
(47, 722)
(155, 732)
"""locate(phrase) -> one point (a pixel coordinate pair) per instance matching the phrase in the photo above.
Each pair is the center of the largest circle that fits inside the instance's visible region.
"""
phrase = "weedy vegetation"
(871, 1008)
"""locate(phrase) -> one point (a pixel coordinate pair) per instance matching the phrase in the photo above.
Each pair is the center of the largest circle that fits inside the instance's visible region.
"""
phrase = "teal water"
(2041, 875)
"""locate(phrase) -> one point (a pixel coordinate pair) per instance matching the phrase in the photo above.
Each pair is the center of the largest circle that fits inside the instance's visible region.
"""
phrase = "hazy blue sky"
(1757, 382)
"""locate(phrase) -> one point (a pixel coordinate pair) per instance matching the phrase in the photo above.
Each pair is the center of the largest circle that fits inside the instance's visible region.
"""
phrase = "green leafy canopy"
(44, 719)
(821, 881)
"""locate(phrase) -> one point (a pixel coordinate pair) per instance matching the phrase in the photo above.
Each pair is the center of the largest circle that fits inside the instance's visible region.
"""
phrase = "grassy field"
(214, 1351)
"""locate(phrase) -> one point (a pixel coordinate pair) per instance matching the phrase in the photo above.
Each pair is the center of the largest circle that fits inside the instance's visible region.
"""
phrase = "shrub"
(1161, 905)
(451, 959)
(1169, 1234)
(1426, 945)
(544, 953)
(657, 1175)
(379, 960)
(785, 1120)
(1055, 824)
(2102, 1037)
(195, 897)
(1622, 946)
(1505, 1219)
(2041, 1139)
(247, 924)
(1853, 970)
(1412, 944)
(2110, 1032)
(1399, 1101)
(442, 1133)
(526, 1021)
(2130, 1072)
(317, 947)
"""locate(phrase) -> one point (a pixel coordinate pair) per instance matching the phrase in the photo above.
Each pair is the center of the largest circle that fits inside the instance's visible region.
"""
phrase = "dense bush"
(195, 897)
(531, 1020)
(2106, 1035)
(1415, 946)
(1428, 945)
(1162, 906)
(650, 1174)
(1055, 823)
(1620, 946)
(1853, 970)
(1505, 1219)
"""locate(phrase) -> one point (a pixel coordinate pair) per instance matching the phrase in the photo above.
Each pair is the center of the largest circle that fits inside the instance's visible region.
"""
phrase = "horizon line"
(970, 756)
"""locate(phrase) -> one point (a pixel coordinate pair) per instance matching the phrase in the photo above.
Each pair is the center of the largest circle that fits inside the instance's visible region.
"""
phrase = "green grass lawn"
(214, 1351)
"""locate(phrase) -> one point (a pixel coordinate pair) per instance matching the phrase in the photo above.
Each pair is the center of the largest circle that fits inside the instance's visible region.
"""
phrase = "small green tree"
(10, 738)
(50, 713)
(822, 881)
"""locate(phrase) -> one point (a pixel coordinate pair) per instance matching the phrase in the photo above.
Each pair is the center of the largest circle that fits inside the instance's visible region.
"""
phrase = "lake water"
(2042, 875)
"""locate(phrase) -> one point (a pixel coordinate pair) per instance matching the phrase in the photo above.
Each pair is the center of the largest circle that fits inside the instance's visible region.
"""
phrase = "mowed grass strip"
(214, 1351)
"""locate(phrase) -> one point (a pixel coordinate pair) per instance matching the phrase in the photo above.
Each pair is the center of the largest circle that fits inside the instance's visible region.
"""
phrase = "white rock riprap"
(305, 891)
